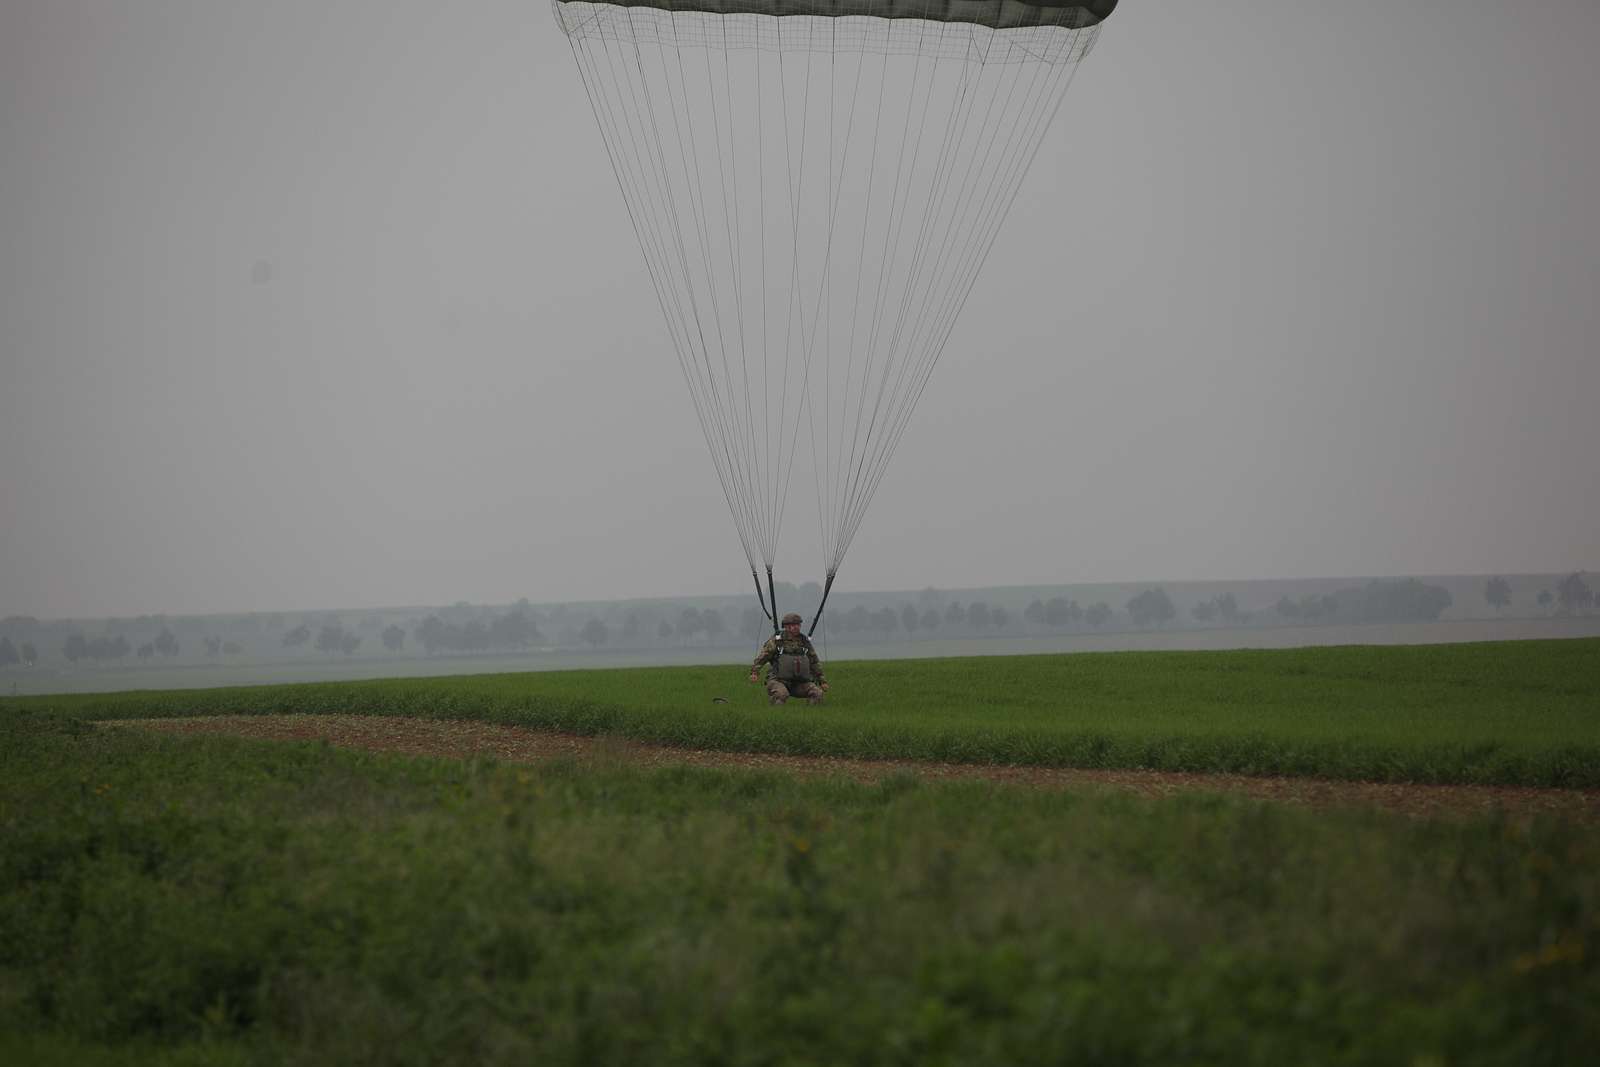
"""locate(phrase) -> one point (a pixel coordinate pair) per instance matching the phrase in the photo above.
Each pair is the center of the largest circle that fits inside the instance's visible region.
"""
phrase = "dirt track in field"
(464, 740)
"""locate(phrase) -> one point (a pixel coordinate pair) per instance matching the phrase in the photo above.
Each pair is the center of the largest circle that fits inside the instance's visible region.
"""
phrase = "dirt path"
(459, 739)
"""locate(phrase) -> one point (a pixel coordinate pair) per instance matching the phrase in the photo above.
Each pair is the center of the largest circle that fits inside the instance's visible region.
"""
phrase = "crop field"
(213, 899)
(1513, 713)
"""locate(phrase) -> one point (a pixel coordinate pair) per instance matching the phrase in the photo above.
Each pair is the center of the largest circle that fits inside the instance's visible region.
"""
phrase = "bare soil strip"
(464, 740)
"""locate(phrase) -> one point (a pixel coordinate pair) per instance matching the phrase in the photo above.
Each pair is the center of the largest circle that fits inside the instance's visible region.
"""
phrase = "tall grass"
(211, 900)
(1511, 713)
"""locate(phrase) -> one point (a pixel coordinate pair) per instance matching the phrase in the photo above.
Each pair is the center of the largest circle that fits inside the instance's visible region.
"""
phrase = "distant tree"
(930, 619)
(910, 619)
(1228, 608)
(231, 648)
(1497, 591)
(594, 633)
(887, 620)
(754, 624)
(999, 616)
(166, 644)
(213, 647)
(349, 643)
(297, 636)
(1403, 601)
(1204, 611)
(1289, 609)
(109, 647)
(1097, 614)
(690, 623)
(955, 614)
(630, 627)
(1545, 598)
(514, 630)
(713, 624)
(978, 614)
(146, 650)
(30, 655)
(1574, 594)
(393, 638)
(433, 633)
(76, 648)
(475, 636)
(664, 630)
(330, 639)
(859, 619)
(8, 653)
(1151, 607)
(1059, 611)
(1034, 613)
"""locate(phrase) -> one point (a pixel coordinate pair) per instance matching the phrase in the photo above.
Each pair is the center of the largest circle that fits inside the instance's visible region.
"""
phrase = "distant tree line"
(512, 631)
(1408, 600)
(467, 629)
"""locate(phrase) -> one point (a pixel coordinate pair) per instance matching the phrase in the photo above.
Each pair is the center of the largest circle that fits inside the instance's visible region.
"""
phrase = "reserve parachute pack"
(792, 668)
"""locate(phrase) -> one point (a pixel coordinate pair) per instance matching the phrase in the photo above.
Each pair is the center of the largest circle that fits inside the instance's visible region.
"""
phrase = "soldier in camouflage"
(793, 668)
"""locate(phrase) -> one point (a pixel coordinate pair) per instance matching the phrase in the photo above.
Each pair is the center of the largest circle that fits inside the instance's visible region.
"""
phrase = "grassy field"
(170, 900)
(1519, 713)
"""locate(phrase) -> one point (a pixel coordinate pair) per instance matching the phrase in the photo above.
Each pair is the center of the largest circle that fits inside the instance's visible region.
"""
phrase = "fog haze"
(308, 305)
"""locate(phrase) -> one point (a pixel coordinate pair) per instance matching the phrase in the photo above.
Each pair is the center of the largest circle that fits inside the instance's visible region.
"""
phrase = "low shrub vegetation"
(213, 900)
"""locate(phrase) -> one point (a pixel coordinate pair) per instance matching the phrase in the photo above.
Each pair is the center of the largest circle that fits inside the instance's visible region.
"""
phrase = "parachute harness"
(815, 186)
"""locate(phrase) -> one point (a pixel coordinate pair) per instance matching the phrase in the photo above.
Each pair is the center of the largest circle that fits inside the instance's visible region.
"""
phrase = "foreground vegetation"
(1520, 713)
(211, 900)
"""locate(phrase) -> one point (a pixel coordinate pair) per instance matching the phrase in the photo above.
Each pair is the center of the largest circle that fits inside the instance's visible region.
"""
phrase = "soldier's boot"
(774, 701)
(813, 700)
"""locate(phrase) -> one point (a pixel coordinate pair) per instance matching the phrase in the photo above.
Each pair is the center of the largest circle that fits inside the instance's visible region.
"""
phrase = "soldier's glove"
(824, 687)
(754, 677)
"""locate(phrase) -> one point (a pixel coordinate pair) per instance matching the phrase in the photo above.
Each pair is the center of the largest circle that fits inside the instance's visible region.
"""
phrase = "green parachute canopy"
(815, 186)
(996, 14)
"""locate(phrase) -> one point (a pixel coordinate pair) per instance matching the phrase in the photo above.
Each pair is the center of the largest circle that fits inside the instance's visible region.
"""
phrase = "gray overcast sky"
(310, 304)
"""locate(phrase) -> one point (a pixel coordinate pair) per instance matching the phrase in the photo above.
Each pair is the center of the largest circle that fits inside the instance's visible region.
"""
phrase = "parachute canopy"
(815, 185)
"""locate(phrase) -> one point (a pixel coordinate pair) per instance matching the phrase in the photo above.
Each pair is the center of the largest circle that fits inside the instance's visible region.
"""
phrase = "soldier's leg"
(810, 690)
(777, 692)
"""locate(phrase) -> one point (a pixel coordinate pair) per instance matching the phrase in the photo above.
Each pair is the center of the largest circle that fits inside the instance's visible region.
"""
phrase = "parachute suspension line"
(939, 334)
(914, 376)
(731, 433)
(866, 211)
(917, 190)
(712, 423)
(1044, 118)
(649, 241)
(937, 180)
(796, 188)
(769, 547)
(1028, 146)
(825, 301)
(734, 232)
(889, 399)
(885, 263)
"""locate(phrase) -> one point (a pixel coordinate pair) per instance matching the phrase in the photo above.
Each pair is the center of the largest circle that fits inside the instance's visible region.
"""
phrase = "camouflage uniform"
(780, 689)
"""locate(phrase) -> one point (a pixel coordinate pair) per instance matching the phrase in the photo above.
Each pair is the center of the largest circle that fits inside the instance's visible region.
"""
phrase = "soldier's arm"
(768, 650)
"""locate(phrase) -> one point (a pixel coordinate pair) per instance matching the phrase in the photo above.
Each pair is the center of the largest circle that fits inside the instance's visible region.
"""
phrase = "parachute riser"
(761, 596)
(827, 585)
(772, 595)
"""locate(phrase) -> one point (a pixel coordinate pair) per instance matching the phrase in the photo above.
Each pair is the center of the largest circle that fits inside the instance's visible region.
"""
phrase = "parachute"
(815, 186)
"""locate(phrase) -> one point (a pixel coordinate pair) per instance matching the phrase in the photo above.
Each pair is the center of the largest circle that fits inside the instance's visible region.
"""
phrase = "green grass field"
(215, 900)
(1522, 713)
